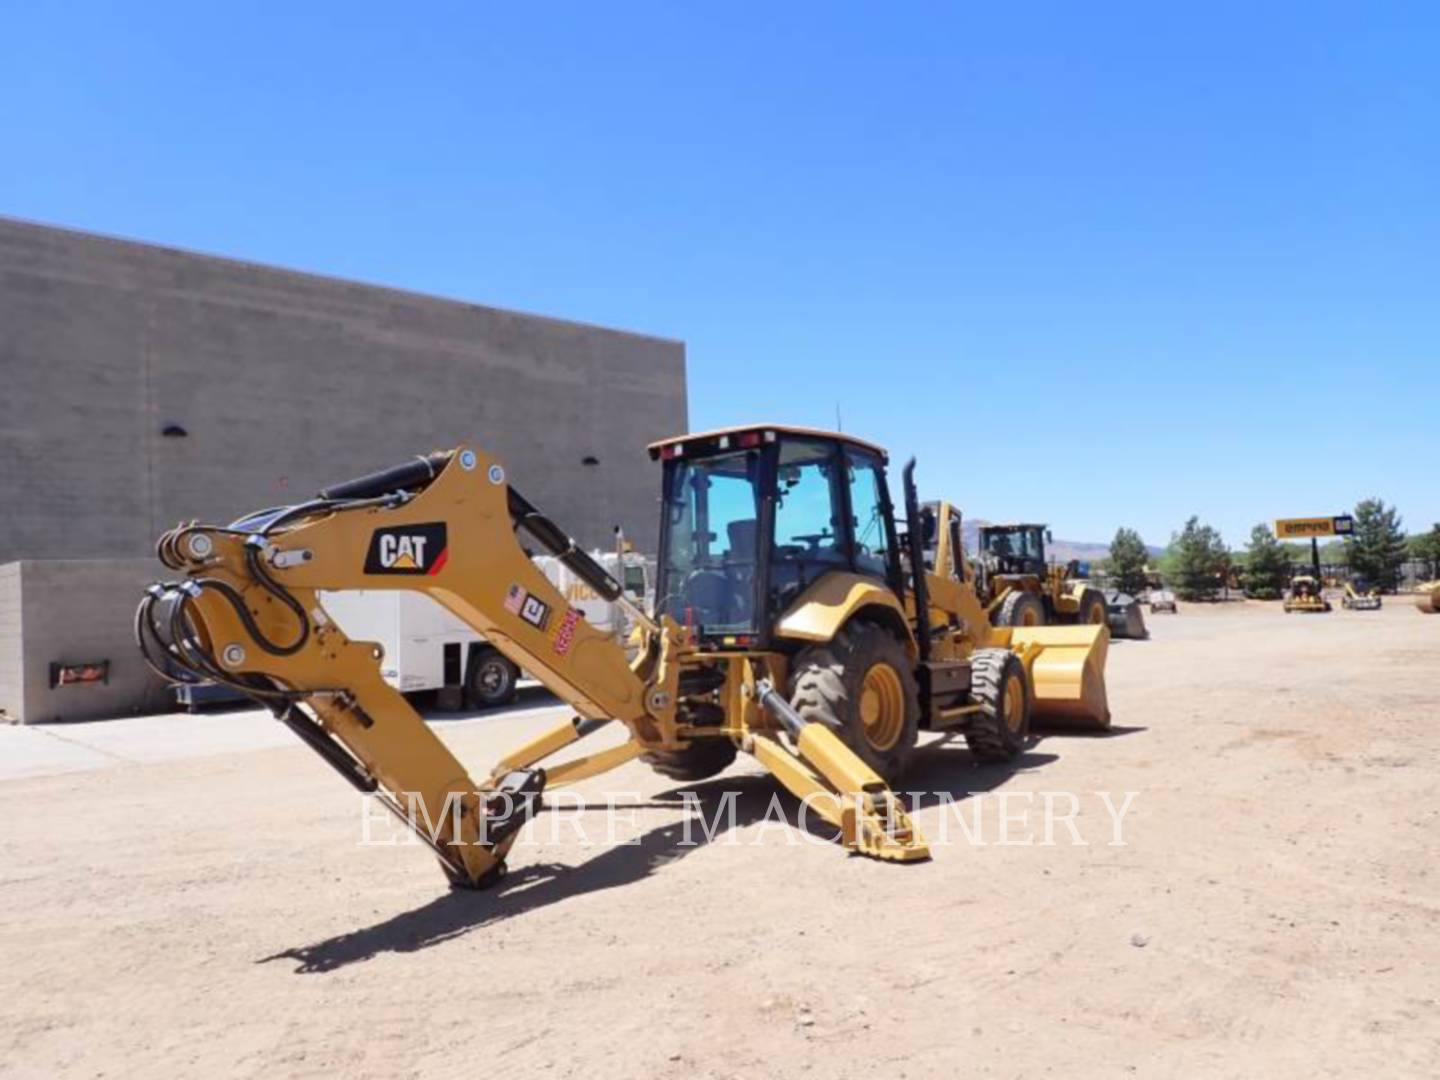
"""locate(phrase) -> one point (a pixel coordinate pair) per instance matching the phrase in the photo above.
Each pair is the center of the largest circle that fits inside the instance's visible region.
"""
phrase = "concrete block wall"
(76, 611)
(285, 382)
(282, 383)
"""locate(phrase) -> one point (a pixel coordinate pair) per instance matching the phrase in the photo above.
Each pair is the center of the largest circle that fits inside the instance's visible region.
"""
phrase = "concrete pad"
(32, 751)
(52, 749)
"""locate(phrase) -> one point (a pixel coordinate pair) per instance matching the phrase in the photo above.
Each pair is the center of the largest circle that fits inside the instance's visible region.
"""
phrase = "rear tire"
(998, 684)
(1022, 609)
(491, 680)
(862, 686)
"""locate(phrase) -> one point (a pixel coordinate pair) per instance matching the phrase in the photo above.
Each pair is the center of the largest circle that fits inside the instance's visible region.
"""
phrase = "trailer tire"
(861, 685)
(999, 730)
(491, 679)
(1022, 608)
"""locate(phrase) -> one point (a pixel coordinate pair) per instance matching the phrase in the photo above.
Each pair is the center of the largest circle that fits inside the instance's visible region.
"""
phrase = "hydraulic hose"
(274, 588)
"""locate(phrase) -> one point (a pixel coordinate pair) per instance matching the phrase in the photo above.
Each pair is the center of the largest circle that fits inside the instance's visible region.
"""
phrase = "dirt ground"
(1272, 909)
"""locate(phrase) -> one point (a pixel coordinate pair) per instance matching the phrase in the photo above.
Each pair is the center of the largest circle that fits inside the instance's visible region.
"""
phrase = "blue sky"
(1099, 264)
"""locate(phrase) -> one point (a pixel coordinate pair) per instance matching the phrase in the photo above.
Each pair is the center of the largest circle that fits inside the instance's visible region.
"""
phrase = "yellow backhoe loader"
(795, 621)
(1360, 595)
(1020, 587)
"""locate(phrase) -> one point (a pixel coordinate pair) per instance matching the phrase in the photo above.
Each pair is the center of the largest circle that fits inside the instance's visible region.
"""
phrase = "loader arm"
(247, 613)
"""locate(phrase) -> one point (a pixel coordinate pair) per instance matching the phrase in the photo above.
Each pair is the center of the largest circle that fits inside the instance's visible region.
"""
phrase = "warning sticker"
(564, 635)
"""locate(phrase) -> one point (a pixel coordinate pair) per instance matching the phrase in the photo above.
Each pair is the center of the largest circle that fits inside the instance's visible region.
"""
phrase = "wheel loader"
(1305, 595)
(798, 620)
(1022, 588)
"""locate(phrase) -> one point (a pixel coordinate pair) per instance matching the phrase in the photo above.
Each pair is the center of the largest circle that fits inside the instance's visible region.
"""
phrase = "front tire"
(861, 685)
(998, 684)
(704, 757)
(1092, 609)
(1022, 609)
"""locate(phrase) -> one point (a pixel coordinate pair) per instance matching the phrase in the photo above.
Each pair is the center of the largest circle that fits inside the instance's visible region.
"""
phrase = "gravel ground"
(1271, 908)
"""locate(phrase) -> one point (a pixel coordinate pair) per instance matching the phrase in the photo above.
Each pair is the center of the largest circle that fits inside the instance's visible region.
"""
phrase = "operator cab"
(753, 516)
(1014, 549)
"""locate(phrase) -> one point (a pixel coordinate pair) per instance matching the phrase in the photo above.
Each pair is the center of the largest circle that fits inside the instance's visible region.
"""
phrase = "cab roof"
(710, 441)
(1000, 526)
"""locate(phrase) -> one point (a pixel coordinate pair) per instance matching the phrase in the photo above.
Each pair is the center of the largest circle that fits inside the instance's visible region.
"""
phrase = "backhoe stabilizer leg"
(832, 781)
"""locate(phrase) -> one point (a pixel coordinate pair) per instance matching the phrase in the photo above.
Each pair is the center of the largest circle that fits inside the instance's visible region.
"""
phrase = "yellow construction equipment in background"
(1360, 596)
(1306, 595)
(1021, 587)
(795, 621)
(1427, 598)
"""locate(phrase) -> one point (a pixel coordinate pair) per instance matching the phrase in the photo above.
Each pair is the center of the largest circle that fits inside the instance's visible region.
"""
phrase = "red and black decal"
(407, 549)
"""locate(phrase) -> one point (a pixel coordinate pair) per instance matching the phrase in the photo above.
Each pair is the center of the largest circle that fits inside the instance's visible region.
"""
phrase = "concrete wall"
(74, 612)
(286, 382)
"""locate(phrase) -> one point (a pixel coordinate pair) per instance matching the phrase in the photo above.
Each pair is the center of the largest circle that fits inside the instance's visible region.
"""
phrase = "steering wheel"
(814, 539)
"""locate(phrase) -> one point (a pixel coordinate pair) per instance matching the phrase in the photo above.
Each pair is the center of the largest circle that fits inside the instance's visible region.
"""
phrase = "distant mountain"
(1059, 550)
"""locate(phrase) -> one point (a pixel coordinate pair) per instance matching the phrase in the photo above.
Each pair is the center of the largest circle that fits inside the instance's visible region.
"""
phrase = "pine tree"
(1267, 565)
(1127, 561)
(1198, 561)
(1376, 550)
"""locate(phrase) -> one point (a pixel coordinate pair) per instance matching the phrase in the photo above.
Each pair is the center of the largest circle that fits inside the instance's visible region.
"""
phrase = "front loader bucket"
(1067, 668)
(1123, 613)
(1428, 598)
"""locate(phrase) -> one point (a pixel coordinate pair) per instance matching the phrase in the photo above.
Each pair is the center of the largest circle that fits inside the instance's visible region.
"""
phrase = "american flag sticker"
(514, 598)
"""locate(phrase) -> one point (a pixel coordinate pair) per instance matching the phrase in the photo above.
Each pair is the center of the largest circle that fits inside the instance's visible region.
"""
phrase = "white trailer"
(428, 648)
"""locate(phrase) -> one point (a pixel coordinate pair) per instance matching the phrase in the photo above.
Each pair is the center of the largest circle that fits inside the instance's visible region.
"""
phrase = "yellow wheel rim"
(1030, 616)
(1014, 703)
(882, 706)
(1096, 615)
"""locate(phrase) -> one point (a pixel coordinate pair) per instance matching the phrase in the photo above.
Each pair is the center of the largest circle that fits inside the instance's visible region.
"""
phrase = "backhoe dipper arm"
(246, 613)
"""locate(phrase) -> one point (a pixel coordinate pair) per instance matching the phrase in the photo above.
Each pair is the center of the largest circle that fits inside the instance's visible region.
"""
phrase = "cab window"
(807, 504)
(808, 538)
(867, 510)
